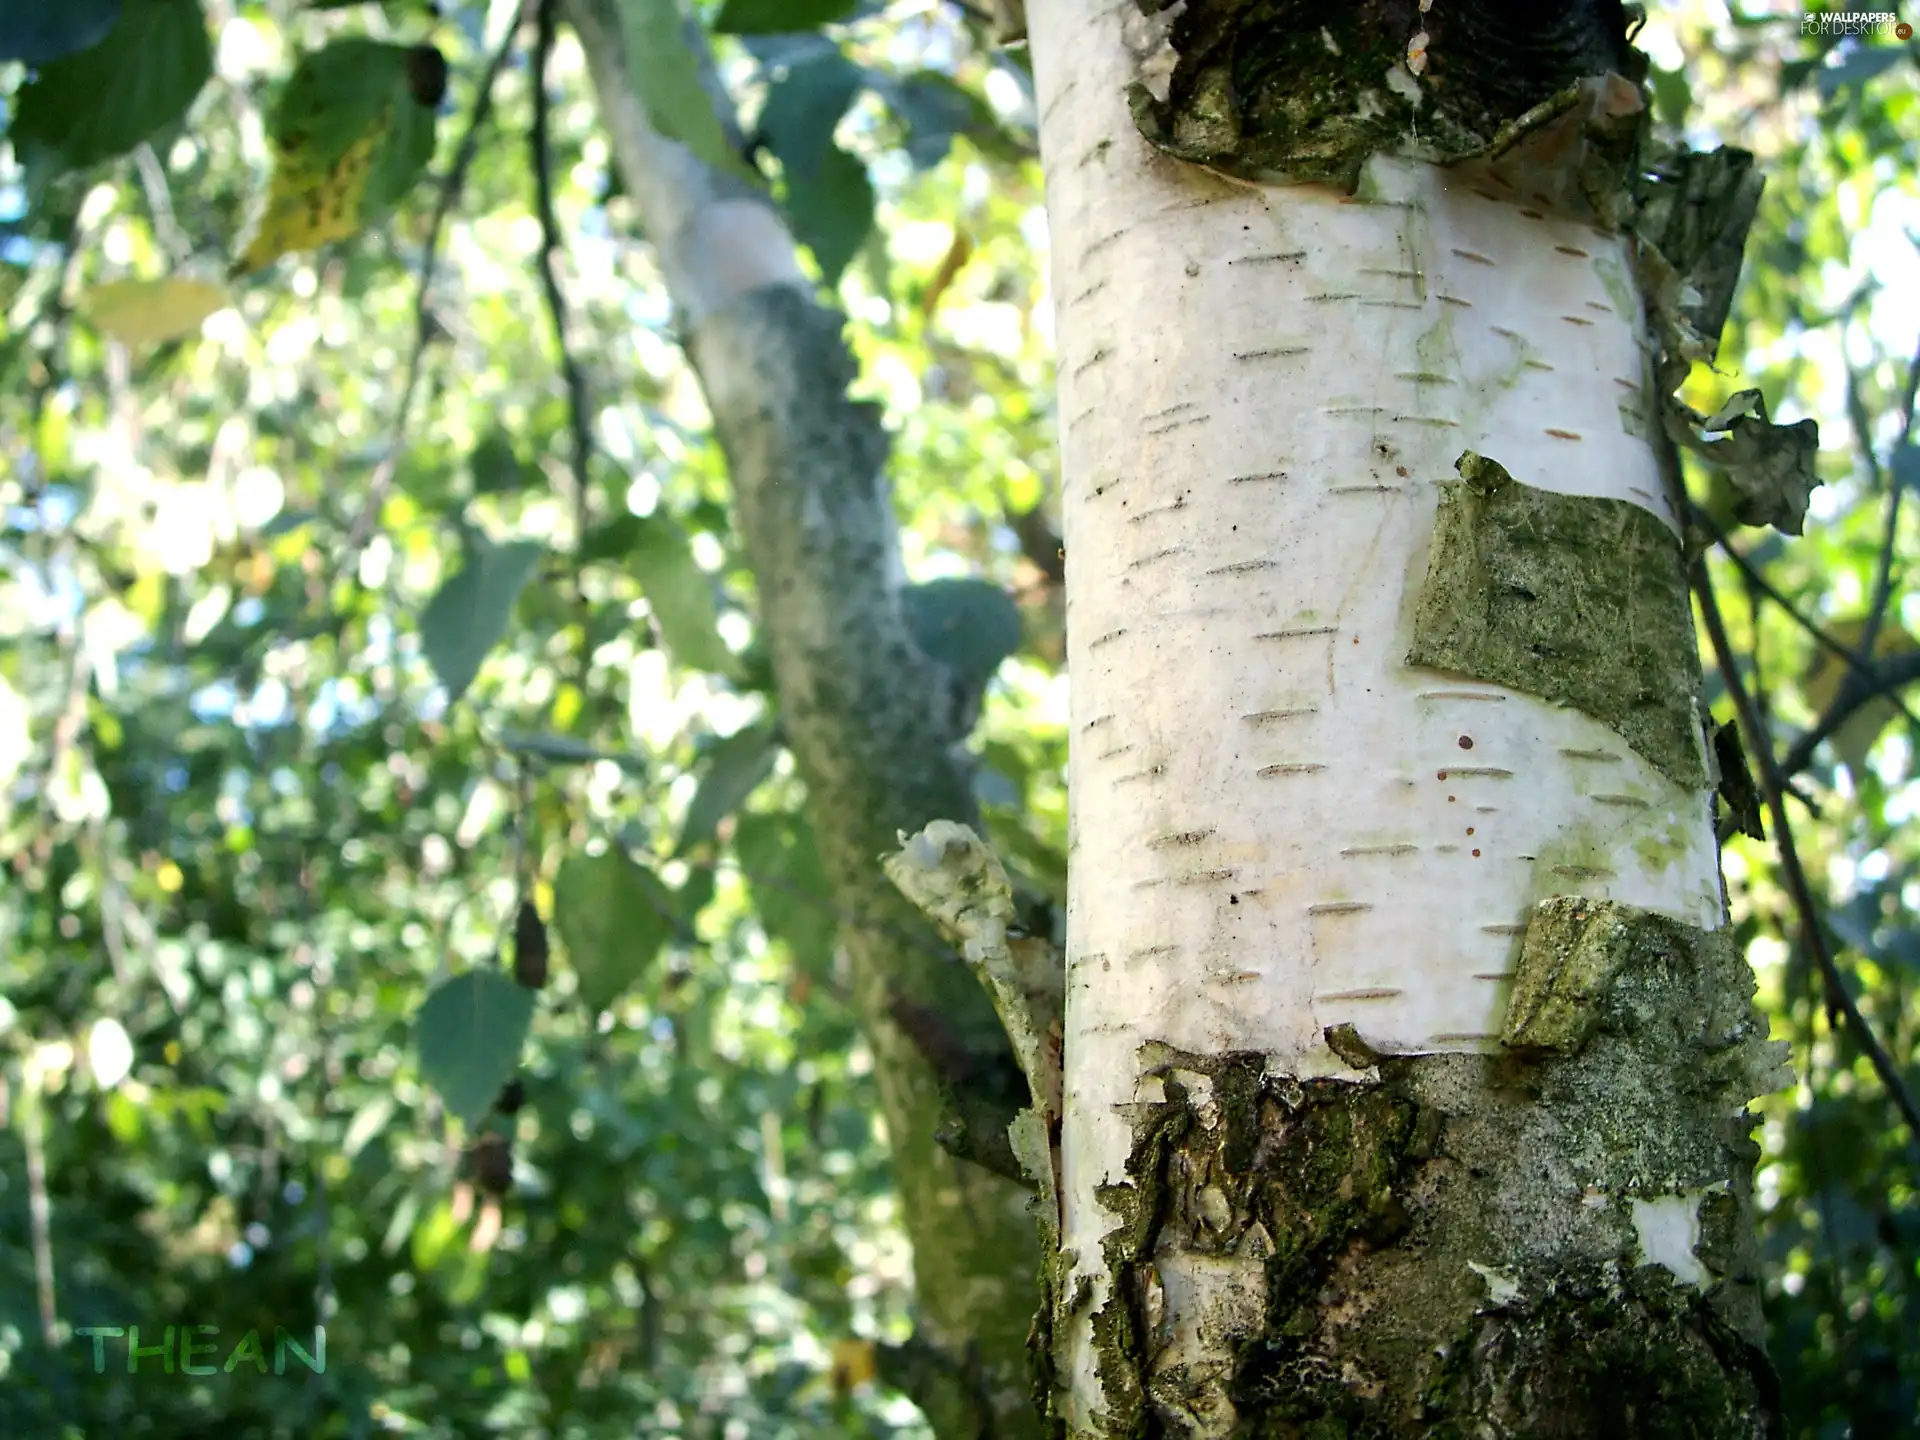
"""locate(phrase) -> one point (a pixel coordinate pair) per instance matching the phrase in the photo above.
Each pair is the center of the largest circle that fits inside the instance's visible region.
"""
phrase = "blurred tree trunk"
(861, 709)
(1407, 1051)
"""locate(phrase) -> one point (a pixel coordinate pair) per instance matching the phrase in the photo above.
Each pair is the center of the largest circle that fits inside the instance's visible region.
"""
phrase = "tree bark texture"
(1407, 1053)
(858, 706)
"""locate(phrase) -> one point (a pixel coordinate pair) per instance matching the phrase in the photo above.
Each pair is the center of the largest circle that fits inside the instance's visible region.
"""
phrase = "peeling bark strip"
(1408, 1098)
(1577, 600)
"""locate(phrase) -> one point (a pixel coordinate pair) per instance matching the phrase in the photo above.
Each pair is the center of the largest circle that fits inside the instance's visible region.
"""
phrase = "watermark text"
(197, 1352)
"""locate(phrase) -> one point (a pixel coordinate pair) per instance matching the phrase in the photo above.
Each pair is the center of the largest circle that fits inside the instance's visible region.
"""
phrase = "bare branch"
(1813, 936)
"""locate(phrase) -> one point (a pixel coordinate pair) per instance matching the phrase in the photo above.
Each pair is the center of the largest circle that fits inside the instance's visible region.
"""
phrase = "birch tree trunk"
(1407, 1053)
(861, 709)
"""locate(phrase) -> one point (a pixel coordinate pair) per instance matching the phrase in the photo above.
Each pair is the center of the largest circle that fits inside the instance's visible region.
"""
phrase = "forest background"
(351, 604)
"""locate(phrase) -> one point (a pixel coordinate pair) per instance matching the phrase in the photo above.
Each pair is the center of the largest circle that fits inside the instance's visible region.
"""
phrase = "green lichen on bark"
(1572, 951)
(1580, 601)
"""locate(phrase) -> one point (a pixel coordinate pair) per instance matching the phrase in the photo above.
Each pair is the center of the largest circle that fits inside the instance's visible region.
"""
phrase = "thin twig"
(451, 185)
(550, 245)
(1868, 680)
(166, 229)
(1890, 527)
(1760, 748)
(578, 423)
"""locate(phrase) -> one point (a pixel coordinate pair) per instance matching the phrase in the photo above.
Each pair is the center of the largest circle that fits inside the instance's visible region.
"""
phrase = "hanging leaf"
(349, 139)
(968, 625)
(613, 916)
(496, 465)
(150, 312)
(1769, 468)
(1672, 95)
(805, 104)
(103, 101)
(832, 211)
(790, 891)
(468, 1035)
(776, 17)
(611, 539)
(935, 109)
(668, 79)
(565, 750)
(529, 947)
(829, 196)
(680, 594)
(368, 1121)
(41, 31)
(469, 613)
(733, 770)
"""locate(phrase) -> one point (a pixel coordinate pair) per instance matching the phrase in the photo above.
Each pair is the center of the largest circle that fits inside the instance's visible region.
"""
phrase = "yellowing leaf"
(308, 206)
(150, 312)
(351, 130)
(1827, 673)
(853, 1365)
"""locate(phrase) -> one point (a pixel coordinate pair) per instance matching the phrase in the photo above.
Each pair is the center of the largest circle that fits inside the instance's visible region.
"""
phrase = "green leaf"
(613, 916)
(468, 1035)
(408, 152)
(1857, 69)
(338, 93)
(832, 211)
(368, 1122)
(778, 17)
(334, 95)
(1672, 95)
(287, 521)
(564, 750)
(935, 109)
(734, 769)
(805, 104)
(611, 539)
(470, 612)
(829, 197)
(40, 31)
(669, 81)
(105, 100)
(680, 595)
(497, 467)
(968, 625)
(790, 892)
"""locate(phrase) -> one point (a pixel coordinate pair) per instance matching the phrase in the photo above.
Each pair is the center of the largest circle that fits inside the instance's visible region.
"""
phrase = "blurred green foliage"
(320, 665)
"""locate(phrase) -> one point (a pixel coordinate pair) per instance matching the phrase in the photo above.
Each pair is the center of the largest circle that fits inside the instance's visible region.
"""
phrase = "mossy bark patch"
(1578, 600)
(1290, 90)
(1604, 1353)
(1453, 1248)
(1572, 953)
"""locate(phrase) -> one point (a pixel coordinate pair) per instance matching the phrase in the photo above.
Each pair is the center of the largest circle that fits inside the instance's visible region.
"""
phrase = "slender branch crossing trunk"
(1406, 1052)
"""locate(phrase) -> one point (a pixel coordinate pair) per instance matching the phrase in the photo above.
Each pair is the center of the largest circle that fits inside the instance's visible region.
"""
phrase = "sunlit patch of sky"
(16, 249)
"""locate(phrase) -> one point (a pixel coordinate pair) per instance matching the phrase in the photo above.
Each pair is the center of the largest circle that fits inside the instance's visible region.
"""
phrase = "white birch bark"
(1278, 826)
